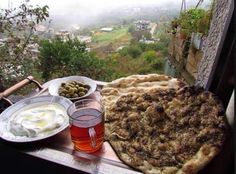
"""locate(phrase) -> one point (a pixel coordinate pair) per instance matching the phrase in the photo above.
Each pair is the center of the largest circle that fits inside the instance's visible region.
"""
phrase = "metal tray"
(59, 148)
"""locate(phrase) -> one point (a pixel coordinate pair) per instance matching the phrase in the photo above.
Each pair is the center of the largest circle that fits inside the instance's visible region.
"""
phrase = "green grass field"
(120, 36)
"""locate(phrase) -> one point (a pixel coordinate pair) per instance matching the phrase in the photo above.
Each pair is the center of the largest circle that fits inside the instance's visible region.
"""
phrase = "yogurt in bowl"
(34, 119)
(37, 120)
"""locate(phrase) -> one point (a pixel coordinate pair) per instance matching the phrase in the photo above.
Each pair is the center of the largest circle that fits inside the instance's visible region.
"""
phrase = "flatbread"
(156, 125)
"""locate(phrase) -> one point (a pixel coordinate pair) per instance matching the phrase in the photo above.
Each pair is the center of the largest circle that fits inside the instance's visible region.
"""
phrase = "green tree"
(131, 29)
(17, 25)
(124, 51)
(150, 56)
(70, 58)
(158, 64)
(143, 46)
(134, 51)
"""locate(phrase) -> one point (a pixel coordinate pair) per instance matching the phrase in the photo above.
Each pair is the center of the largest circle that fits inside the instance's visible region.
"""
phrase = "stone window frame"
(216, 69)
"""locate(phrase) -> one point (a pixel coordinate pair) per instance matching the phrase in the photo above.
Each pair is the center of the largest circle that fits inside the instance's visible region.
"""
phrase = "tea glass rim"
(92, 100)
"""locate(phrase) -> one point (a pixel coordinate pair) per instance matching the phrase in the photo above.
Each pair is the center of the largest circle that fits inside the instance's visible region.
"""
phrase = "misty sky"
(91, 6)
(86, 12)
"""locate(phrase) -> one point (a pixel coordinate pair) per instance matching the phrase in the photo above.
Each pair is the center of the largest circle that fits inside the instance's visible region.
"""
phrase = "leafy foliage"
(193, 20)
(134, 51)
(17, 25)
(204, 22)
(64, 58)
(150, 56)
(70, 58)
(139, 58)
(137, 35)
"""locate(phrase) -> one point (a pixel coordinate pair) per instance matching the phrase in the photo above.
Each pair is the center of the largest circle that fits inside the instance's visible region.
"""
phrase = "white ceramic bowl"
(6, 115)
(55, 84)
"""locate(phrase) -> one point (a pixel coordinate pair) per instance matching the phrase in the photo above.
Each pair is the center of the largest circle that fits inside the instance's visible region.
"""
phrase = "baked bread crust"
(156, 125)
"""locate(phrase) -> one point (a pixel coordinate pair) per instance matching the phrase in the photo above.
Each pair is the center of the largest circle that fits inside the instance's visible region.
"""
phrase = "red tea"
(87, 130)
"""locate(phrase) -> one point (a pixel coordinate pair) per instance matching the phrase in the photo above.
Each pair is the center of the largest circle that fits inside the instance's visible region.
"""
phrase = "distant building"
(40, 29)
(33, 48)
(153, 27)
(142, 25)
(120, 48)
(75, 27)
(146, 41)
(63, 34)
(88, 49)
(85, 39)
(106, 29)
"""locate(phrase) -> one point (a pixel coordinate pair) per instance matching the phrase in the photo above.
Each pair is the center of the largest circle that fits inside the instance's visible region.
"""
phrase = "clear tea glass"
(86, 125)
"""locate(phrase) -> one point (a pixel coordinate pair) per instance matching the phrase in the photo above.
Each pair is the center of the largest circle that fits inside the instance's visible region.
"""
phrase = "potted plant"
(204, 23)
(174, 23)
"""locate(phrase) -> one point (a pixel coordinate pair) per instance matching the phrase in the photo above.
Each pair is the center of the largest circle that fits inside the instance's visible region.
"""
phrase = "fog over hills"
(73, 13)
(114, 16)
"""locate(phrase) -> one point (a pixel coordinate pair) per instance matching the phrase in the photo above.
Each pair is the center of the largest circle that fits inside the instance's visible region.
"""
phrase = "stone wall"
(197, 65)
(176, 49)
(221, 17)
(185, 58)
(193, 60)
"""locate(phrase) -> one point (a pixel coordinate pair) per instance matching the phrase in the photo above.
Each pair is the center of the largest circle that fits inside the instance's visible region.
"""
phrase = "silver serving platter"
(19, 106)
(56, 83)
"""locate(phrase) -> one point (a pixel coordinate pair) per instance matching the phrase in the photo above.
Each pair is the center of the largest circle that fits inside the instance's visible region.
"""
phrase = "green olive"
(80, 83)
(65, 91)
(73, 89)
(81, 94)
(62, 94)
(70, 86)
(80, 89)
(75, 95)
(85, 90)
(67, 87)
